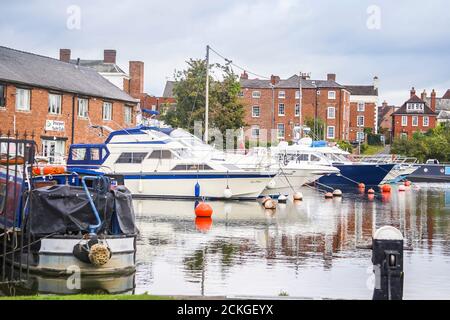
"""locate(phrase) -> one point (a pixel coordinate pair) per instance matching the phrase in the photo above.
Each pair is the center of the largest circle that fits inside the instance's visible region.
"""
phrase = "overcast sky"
(404, 42)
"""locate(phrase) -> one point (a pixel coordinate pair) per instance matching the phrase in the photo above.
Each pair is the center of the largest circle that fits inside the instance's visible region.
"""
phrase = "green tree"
(225, 110)
(317, 128)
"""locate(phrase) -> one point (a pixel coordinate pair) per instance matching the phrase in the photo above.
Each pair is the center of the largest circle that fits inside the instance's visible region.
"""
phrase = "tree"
(225, 110)
(317, 128)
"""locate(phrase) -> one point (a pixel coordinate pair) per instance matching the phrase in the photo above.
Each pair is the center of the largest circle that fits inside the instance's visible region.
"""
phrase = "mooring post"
(387, 259)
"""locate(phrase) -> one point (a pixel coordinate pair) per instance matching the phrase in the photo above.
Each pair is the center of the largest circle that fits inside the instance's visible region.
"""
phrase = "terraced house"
(61, 102)
(277, 104)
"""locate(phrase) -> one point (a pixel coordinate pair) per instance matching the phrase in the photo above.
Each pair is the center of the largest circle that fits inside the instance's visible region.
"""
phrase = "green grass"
(371, 150)
(89, 297)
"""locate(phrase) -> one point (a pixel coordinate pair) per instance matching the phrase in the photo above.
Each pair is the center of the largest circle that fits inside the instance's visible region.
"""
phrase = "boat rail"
(388, 158)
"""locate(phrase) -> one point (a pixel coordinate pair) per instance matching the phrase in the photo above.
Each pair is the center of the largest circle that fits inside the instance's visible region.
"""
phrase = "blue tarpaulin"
(151, 112)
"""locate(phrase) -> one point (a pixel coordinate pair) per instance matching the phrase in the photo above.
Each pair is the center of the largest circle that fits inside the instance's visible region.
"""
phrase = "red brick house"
(61, 102)
(413, 116)
(363, 110)
(277, 105)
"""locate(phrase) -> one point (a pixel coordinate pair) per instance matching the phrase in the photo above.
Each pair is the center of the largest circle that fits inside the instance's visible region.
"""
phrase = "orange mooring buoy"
(203, 210)
(361, 186)
(371, 191)
(407, 183)
(386, 188)
(328, 195)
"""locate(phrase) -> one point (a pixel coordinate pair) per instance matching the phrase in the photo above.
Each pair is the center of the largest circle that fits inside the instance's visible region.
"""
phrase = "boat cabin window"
(303, 157)
(131, 157)
(2, 196)
(315, 158)
(160, 154)
(191, 167)
(79, 154)
(95, 154)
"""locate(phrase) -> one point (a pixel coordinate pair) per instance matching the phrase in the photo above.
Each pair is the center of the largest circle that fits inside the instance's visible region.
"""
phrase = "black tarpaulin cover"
(63, 209)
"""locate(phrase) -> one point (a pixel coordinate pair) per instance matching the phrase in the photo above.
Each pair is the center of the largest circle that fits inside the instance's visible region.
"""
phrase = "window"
(404, 135)
(54, 150)
(415, 121)
(360, 121)
(128, 116)
(241, 94)
(160, 154)
(255, 111)
(95, 154)
(426, 121)
(280, 130)
(256, 94)
(2, 96)
(107, 111)
(255, 131)
(360, 136)
(54, 103)
(83, 108)
(23, 99)
(332, 95)
(404, 121)
(331, 113)
(131, 157)
(281, 109)
(297, 94)
(281, 94)
(315, 158)
(361, 106)
(78, 154)
(330, 132)
(297, 109)
(191, 167)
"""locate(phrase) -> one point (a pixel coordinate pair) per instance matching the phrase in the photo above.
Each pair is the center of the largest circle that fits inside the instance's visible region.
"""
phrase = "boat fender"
(227, 193)
(81, 250)
(99, 254)
(197, 190)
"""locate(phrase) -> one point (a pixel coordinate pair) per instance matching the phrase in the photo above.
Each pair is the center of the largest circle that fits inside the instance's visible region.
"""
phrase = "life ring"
(48, 170)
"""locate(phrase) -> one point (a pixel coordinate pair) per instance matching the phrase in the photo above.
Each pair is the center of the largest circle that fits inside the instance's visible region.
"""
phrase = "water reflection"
(308, 249)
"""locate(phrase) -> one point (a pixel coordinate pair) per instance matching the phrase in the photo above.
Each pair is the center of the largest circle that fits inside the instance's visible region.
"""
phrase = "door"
(54, 150)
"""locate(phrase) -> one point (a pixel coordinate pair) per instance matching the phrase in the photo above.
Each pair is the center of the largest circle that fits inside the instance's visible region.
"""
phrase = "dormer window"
(415, 107)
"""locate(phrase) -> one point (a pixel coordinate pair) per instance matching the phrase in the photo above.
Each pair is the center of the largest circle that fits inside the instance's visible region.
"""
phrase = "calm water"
(308, 249)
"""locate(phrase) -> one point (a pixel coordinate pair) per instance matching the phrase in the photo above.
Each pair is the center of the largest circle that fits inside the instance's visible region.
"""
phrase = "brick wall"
(409, 129)
(35, 119)
(369, 114)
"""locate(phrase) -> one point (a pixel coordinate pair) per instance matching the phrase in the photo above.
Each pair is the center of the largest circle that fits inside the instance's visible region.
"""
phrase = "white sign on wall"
(54, 125)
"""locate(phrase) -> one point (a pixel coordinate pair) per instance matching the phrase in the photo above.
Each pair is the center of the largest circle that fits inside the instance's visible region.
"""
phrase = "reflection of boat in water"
(37, 284)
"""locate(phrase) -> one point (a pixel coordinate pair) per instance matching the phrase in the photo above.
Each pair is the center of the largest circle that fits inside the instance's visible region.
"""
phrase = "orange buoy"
(371, 196)
(328, 195)
(386, 188)
(48, 169)
(401, 188)
(203, 224)
(361, 186)
(407, 183)
(371, 191)
(203, 210)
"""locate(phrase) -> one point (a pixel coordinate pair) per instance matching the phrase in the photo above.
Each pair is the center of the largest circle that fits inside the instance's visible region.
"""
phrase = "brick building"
(414, 115)
(363, 110)
(276, 104)
(385, 112)
(61, 102)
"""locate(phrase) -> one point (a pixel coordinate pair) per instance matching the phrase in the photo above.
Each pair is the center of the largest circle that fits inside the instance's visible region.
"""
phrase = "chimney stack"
(274, 79)
(244, 75)
(385, 104)
(331, 77)
(433, 101)
(423, 96)
(64, 55)
(109, 56)
(375, 82)
(413, 92)
(136, 72)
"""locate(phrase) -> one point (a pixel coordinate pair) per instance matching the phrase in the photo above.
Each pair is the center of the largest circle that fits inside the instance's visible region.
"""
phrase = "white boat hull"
(242, 186)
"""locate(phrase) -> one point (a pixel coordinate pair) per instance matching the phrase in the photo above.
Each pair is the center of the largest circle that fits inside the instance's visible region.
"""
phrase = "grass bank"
(89, 297)
(372, 150)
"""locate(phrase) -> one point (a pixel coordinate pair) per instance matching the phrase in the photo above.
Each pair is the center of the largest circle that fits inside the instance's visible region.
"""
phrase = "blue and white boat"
(155, 165)
(351, 173)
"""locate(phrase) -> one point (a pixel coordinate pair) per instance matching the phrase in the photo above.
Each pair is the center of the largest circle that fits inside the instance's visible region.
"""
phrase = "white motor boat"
(154, 165)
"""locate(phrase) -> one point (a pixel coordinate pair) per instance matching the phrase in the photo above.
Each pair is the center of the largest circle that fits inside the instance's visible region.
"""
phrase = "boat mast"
(207, 95)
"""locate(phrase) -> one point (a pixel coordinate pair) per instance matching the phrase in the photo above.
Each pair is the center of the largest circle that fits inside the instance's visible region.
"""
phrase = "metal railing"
(16, 161)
